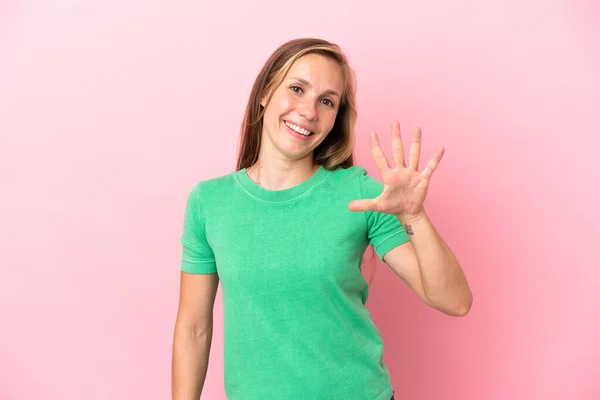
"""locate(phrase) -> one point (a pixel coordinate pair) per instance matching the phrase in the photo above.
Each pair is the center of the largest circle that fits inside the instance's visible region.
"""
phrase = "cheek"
(278, 106)
(285, 104)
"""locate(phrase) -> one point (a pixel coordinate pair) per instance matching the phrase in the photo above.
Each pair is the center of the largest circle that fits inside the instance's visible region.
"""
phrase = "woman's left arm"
(429, 267)
(425, 263)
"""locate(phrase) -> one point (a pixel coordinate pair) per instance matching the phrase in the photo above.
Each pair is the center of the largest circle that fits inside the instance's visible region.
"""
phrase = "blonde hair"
(337, 148)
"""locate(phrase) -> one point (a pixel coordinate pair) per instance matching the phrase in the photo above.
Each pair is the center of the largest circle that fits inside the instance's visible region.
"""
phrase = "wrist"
(411, 218)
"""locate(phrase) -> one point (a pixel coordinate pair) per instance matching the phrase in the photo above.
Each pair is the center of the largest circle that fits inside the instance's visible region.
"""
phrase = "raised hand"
(404, 187)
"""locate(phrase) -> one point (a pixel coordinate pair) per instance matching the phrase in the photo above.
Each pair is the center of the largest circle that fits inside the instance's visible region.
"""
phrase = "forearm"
(443, 280)
(191, 350)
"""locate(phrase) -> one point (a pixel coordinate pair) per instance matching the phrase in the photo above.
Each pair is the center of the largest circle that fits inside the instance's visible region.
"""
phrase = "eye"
(328, 102)
(296, 89)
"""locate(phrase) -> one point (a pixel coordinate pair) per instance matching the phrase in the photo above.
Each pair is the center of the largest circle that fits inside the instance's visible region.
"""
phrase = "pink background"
(111, 111)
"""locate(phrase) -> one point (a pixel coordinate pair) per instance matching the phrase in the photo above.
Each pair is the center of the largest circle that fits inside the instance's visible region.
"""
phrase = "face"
(303, 108)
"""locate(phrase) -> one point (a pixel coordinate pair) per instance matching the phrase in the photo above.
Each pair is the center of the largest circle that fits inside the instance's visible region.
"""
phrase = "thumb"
(362, 205)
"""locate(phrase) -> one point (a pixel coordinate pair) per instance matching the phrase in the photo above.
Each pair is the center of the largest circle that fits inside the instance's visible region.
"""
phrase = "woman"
(285, 235)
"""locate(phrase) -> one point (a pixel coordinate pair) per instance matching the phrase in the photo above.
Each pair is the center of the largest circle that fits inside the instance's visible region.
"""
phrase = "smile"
(298, 129)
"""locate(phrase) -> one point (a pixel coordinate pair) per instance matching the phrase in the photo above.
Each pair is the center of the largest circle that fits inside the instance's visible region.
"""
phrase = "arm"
(429, 267)
(193, 334)
(425, 263)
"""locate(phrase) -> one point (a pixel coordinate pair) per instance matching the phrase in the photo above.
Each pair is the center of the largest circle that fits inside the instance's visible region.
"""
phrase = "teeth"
(301, 131)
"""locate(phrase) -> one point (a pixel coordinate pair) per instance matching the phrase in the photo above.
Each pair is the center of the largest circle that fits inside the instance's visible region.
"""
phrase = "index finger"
(378, 155)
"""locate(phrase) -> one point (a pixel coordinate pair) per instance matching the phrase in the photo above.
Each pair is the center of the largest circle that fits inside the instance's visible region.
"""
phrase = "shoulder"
(357, 176)
(350, 174)
(205, 189)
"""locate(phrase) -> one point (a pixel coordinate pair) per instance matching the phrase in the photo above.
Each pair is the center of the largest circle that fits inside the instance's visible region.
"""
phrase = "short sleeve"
(197, 257)
(384, 230)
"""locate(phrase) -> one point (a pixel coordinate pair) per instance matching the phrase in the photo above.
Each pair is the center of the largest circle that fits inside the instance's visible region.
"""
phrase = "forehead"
(320, 71)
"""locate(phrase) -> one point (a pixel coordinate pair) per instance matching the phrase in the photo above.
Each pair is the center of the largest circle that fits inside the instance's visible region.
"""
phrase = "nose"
(307, 110)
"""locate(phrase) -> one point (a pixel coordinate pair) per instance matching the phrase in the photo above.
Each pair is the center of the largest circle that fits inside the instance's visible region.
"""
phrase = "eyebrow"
(307, 83)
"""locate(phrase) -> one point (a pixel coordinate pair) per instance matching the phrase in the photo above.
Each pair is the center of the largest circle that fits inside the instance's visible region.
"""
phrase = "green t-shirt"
(295, 323)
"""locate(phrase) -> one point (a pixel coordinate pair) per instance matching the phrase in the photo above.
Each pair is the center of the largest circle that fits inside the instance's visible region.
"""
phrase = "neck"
(276, 174)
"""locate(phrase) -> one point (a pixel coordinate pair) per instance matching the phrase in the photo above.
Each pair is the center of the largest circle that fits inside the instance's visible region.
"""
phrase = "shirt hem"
(198, 267)
(394, 240)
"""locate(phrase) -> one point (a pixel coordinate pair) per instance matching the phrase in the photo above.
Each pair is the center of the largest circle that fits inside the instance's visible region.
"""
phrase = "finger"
(397, 148)
(378, 156)
(433, 163)
(415, 150)
(362, 205)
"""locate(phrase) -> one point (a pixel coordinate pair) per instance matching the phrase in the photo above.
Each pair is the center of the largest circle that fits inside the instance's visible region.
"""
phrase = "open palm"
(404, 187)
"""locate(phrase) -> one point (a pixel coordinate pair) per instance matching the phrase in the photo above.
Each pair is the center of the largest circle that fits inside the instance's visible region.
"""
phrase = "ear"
(264, 100)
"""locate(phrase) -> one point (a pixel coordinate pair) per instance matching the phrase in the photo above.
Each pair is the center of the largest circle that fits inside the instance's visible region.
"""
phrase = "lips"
(300, 129)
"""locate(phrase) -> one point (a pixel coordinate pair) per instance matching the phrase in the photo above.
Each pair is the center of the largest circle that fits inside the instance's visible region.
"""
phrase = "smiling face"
(303, 108)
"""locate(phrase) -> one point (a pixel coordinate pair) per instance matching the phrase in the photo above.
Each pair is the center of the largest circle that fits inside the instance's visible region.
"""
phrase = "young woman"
(285, 235)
